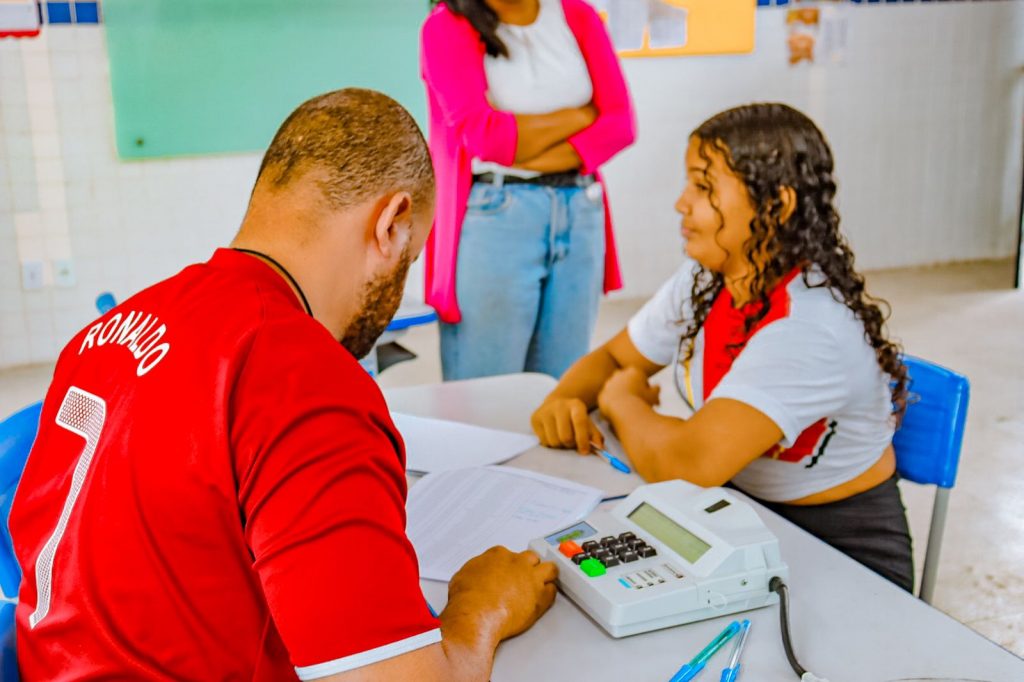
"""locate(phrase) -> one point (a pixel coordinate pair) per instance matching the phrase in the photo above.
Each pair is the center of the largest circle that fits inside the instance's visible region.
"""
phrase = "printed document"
(455, 515)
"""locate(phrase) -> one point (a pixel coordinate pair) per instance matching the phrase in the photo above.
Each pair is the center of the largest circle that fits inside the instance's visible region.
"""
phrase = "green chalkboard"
(212, 76)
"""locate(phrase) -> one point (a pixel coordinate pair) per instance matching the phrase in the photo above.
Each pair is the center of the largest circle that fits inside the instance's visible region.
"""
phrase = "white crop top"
(810, 371)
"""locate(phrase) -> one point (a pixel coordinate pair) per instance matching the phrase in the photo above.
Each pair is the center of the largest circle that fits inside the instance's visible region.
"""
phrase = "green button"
(592, 567)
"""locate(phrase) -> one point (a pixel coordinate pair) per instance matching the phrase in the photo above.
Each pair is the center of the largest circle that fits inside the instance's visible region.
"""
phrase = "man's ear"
(787, 195)
(393, 228)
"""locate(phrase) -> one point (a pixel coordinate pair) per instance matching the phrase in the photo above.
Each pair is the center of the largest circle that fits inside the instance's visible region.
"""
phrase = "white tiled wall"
(924, 118)
(64, 194)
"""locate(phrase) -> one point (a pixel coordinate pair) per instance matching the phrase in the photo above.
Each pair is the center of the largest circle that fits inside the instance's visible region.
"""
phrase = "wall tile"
(57, 12)
(10, 299)
(87, 12)
(65, 67)
(14, 349)
(11, 323)
(42, 348)
(14, 118)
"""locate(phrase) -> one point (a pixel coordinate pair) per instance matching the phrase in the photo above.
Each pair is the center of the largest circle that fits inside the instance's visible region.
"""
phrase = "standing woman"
(527, 101)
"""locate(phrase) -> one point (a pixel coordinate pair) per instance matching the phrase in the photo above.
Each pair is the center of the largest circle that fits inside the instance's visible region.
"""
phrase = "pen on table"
(612, 459)
(732, 672)
(697, 663)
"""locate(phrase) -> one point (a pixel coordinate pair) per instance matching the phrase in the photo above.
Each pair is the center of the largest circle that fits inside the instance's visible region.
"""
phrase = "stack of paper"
(439, 445)
(455, 515)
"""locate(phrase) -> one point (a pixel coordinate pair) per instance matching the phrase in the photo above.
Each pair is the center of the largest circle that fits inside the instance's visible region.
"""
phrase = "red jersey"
(216, 492)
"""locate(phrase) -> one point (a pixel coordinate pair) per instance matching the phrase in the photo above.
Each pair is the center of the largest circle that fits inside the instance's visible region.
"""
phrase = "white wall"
(924, 119)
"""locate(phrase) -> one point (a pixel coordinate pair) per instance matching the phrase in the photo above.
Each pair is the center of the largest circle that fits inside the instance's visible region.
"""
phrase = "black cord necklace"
(284, 271)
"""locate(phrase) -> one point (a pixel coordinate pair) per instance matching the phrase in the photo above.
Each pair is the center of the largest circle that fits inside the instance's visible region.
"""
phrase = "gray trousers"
(870, 527)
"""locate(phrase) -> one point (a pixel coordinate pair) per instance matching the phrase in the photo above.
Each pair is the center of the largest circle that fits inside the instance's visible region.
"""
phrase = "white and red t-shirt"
(807, 367)
(217, 492)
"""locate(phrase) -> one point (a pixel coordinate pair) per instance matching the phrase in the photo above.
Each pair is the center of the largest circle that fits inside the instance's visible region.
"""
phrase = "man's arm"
(496, 595)
(321, 490)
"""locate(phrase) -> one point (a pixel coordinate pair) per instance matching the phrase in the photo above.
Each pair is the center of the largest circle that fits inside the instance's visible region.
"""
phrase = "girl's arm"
(562, 420)
(791, 374)
(708, 449)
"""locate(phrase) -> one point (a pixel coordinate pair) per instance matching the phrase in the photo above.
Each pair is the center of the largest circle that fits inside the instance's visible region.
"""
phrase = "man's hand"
(565, 423)
(496, 595)
(627, 382)
(511, 590)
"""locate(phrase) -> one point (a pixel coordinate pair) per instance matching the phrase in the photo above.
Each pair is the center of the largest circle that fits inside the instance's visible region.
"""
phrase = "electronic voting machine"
(669, 553)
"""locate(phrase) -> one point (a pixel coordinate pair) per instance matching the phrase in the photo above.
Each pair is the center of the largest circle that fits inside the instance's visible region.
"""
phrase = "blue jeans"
(528, 280)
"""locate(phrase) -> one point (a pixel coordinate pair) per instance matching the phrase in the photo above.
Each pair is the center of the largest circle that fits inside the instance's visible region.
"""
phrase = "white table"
(848, 624)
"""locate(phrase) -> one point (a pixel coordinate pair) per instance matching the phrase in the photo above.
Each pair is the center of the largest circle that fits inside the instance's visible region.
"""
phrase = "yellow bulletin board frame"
(712, 27)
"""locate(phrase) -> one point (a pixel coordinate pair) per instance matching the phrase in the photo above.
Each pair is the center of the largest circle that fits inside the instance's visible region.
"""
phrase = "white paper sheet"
(455, 515)
(440, 445)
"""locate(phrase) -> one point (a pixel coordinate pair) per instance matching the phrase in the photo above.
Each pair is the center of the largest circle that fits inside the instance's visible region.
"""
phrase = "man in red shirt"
(217, 490)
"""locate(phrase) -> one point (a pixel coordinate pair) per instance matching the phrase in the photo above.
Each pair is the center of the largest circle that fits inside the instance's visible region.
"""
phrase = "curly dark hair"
(482, 18)
(769, 146)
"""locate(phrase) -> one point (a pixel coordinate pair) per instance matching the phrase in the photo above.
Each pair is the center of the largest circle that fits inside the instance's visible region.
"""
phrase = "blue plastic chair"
(105, 302)
(928, 445)
(17, 434)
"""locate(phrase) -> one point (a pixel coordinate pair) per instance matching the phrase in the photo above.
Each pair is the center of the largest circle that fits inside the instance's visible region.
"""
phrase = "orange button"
(570, 548)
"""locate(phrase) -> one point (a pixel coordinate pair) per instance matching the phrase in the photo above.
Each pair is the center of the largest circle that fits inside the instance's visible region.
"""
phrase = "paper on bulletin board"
(818, 32)
(668, 28)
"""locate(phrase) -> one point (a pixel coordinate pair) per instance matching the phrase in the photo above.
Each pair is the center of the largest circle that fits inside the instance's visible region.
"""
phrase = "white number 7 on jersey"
(84, 414)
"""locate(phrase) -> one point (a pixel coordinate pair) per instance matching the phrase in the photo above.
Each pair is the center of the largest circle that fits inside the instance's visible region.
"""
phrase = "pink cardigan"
(463, 125)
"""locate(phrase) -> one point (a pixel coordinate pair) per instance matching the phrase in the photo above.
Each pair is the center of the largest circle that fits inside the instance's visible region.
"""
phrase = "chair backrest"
(105, 302)
(17, 433)
(928, 441)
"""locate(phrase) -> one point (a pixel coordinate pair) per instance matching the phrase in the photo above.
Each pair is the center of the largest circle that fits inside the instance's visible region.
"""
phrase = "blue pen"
(612, 459)
(732, 672)
(690, 670)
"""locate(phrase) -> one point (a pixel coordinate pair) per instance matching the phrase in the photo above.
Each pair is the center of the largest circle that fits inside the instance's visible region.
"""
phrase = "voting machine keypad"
(595, 556)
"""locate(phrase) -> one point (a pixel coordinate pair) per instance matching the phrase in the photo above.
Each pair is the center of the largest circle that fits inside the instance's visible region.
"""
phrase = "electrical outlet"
(31, 274)
(64, 273)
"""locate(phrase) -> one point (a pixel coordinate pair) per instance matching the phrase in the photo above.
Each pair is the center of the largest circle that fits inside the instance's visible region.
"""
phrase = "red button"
(570, 548)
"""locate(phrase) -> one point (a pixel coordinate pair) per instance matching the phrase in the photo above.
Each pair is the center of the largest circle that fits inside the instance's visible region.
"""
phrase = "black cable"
(776, 585)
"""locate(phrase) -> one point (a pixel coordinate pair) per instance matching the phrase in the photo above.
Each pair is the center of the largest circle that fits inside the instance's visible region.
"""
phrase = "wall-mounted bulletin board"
(213, 76)
(676, 28)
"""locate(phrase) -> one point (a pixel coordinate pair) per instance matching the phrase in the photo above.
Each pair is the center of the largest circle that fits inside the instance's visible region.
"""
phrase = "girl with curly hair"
(773, 341)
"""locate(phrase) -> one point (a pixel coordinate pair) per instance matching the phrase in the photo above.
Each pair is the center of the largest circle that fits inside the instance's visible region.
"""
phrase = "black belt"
(566, 179)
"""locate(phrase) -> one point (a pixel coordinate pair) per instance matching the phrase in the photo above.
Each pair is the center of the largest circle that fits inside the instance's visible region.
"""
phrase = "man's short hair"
(361, 142)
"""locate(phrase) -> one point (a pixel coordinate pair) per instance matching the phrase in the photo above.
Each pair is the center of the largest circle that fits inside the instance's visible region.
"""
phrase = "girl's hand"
(565, 423)
(627, 382)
